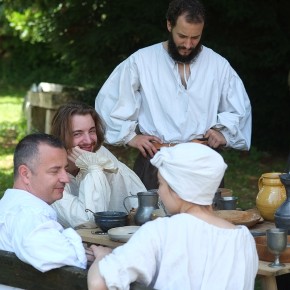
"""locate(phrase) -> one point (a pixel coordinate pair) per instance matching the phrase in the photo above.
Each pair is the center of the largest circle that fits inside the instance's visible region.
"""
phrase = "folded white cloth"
(102, 184)
(87, 159)
(194, 171)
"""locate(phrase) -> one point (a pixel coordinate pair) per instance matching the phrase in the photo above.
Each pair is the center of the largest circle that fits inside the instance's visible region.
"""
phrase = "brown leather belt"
(199, 140)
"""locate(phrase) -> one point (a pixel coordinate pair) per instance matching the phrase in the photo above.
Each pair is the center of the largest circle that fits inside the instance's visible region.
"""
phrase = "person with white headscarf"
(190, 249)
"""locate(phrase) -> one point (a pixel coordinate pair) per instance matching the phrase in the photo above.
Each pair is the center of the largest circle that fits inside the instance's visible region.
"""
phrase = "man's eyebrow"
(54, 167)
(195, 36)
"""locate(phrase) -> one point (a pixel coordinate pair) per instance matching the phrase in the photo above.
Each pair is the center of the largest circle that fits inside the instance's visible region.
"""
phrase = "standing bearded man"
(174, 92)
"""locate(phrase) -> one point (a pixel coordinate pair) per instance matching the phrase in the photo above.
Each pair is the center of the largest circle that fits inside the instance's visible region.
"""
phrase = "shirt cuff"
(226, 133)
(129, 137)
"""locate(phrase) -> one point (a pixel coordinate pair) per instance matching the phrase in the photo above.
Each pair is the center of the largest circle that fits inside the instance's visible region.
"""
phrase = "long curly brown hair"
(61, 123)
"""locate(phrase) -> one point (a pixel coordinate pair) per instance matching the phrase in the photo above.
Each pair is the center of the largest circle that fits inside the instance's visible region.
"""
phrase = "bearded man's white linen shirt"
(184, 252)
(102, 184)
(146, 90)
(29, 228)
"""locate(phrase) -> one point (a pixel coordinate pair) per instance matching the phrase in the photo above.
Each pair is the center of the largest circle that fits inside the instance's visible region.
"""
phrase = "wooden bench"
(15, 273)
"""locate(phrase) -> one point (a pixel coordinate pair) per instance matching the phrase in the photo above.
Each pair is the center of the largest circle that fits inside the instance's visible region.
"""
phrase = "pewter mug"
(228, 202)
(147, 202)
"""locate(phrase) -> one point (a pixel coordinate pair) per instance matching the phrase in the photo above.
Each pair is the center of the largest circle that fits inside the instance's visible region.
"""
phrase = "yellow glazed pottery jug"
(271, 195)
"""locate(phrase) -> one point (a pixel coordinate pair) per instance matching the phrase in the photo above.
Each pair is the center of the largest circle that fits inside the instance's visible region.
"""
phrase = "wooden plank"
(265, 270)
(15, 273)
(262, 227)
(103, 239)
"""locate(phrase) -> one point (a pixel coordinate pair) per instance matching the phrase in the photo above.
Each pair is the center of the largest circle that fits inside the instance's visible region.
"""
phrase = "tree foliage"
(80, 42)
(90, 37)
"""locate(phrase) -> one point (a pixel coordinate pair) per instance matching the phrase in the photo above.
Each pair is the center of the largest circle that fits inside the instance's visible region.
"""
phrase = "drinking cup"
(228, 202)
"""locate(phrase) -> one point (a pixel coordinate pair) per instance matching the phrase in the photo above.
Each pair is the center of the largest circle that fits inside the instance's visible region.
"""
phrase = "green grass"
(12, 128)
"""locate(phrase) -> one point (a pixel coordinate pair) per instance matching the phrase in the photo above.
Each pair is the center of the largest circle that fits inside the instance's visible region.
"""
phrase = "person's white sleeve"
(94, 191)
(123, 183)
(235, 117)
(118, 103)
(43, 243)
(137, 260)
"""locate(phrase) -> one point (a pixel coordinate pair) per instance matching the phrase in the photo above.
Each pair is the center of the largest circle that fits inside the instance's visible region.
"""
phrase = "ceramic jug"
(147, 202)
(271, 195)
(282, 214)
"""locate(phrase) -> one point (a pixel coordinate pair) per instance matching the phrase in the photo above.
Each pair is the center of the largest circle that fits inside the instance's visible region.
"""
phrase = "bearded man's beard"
(174, 53)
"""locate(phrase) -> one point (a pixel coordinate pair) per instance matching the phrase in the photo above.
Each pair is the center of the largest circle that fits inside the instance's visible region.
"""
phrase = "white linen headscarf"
(194, 171)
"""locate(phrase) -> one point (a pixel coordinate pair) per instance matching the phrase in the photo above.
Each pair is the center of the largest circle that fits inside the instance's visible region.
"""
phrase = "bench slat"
(15, 273)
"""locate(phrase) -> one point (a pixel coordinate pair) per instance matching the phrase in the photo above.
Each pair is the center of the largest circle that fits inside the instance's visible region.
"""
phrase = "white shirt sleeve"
(102, 183)
(118, 102)
(90, 190)
(235, 117)
(135, 260)
(42, 242)
(123, 183)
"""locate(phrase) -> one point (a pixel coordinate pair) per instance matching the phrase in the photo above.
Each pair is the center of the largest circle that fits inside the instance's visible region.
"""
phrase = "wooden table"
(91, 236)
(265, 273)
(261, 228)
(268, 275)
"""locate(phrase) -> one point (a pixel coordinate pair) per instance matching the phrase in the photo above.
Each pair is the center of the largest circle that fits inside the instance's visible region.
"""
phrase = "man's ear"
(169, 27)
(24, 173)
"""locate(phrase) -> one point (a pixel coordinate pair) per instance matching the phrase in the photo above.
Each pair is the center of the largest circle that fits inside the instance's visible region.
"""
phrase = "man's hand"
(144, 144)
(215, 138)
(95, 279)
(100, 252)
(74, 153)
(89, 254)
